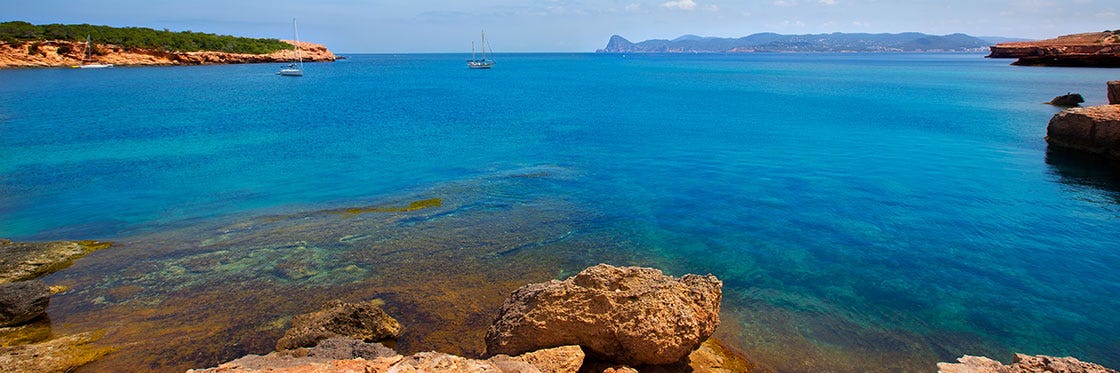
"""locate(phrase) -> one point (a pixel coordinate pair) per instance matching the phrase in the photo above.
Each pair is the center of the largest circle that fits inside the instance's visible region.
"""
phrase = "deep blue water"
(861, 203)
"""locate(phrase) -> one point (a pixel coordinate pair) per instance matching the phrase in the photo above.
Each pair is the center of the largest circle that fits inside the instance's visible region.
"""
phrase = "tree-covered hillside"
(139, 38)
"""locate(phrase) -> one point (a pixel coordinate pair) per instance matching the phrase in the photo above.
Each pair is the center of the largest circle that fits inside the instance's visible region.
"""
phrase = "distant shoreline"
(64, 54)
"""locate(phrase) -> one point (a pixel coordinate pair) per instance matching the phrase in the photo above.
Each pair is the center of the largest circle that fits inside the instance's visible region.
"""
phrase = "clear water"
(865, 211)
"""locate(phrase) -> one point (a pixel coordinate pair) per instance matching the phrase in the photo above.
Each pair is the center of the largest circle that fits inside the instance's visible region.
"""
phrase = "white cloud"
(633, 7)
(784, 3)
(828, 2)
(680, 4)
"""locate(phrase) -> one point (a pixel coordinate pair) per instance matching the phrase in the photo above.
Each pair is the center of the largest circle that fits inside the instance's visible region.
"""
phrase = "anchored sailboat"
(480, 63)
(87, 61)
(292, 69)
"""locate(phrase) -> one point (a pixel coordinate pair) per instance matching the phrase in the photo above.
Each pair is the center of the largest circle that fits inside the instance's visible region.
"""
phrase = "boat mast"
(296, 31)
(472, 51)
(89, 49)
(483, 45)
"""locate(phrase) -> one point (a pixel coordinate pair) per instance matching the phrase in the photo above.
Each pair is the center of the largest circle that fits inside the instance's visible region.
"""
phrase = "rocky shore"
(70, 53)
(1094, 129)
(1094, 49)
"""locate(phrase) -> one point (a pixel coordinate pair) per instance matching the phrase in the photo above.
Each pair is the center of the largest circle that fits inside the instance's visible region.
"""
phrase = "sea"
(865, 212)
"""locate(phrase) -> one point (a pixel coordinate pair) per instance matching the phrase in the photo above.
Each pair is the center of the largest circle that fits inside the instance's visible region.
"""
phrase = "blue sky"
(376, 26)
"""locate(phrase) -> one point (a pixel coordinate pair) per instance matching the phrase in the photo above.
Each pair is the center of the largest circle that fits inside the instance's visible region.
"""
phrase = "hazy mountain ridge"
(834, 42)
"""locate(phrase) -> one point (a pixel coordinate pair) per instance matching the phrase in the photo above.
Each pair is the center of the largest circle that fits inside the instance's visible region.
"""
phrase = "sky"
(422, 26)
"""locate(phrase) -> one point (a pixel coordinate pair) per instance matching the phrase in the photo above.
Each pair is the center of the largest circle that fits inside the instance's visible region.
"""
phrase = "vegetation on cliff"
(139, 38)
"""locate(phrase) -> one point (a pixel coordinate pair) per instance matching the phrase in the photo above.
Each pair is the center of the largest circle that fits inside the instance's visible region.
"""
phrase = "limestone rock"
(1067, 100)
(1094, 129)
(365, 321)
(27, 260)
(23, 301)
(1093, 49)
(1022, 364)
(15, 55)
(56, 355)
(567, 359)
(1114, 92)
(635, 316)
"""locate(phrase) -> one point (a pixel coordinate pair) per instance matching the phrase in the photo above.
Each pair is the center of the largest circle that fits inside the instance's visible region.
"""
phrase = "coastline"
(65, 54)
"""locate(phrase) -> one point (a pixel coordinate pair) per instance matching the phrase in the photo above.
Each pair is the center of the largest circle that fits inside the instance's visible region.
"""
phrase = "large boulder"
(635, 316)
(1022, 364)
(1094, 129)
(365, 321)
(27, 260)
(1067, 100)
(23, 301)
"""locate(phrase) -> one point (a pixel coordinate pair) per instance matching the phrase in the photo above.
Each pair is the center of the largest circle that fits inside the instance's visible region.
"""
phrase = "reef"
(21, 261)
(59, 53)
(1094, 49)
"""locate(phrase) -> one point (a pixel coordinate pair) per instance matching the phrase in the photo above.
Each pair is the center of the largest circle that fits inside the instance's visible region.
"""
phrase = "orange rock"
(19, 55)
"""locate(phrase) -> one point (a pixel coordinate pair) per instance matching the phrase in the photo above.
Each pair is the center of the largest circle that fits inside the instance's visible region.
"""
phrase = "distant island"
(23, 44)
(834, 42)
(1091, 49)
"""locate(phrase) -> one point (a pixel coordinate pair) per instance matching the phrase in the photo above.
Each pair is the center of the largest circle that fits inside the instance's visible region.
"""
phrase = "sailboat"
(292, 69)
(86, 62)
(480, 63)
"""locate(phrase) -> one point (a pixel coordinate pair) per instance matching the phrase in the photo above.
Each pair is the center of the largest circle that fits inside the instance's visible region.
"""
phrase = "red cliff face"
(67, 53)
(1094, 49)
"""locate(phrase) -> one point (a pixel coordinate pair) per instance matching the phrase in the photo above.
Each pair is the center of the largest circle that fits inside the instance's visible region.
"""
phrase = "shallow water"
(865, 211)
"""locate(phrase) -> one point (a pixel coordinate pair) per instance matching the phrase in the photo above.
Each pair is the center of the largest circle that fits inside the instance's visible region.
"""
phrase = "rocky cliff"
(70, 53)
(1094, 49)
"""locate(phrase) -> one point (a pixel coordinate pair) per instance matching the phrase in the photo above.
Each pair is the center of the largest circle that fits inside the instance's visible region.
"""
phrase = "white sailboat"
(293, 69)
(480, 63)
(86, 62)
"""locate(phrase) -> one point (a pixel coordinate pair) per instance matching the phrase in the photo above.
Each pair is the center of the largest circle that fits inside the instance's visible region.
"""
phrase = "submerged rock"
(365, 321)
(1067, 100)
(56, 355)
(635, 316)
(23, 301)
(349, 348)
(1022, 364)
(27, 260)
(1094, 129)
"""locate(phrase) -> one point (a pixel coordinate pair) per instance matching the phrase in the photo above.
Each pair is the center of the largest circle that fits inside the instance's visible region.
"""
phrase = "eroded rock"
(635, 316)
(1067, 100)
(1114, 92)
(567, 359)
(1022, 364)
(1094, 129)
(349, 348)
(23, 301)
(365, 321)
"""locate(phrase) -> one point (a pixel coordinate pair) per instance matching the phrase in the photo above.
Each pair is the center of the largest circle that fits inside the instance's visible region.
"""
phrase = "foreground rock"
(635, 316)
(58, 53)
(1093, 129)
(1022, 364)
(1094, 49)
(567, 359)
(23, 301)
(56, 355)
(365, 321)
(1114, 92)
(27, 260)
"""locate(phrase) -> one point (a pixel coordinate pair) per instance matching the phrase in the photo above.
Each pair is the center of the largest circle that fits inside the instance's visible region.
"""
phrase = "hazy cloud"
(680, 4)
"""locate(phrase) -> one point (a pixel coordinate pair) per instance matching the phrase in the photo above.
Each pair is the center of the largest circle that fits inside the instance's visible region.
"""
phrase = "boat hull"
(480, 64)
(95, 66)
(289, 72)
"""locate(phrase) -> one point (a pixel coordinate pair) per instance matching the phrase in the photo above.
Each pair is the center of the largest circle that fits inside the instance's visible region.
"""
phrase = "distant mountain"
(771, 42)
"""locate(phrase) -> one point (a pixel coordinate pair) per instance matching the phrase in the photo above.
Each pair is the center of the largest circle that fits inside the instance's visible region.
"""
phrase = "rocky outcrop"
(565, 359)
(27, 260)
(1094, 49)
(23, 301)
(57, 355)
(365, 321)
(635, 316)
(69, 53)
(349, 348)
(1067, 100)
(1022, 364)
(1114, 92)
(1094, 129)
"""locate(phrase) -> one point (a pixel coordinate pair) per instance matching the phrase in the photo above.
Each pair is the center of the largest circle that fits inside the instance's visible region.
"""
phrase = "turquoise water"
(859, 207)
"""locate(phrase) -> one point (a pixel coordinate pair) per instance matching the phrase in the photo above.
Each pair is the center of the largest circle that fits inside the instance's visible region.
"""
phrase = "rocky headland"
(59, 53)
(1094, 129)
(1093, 49)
